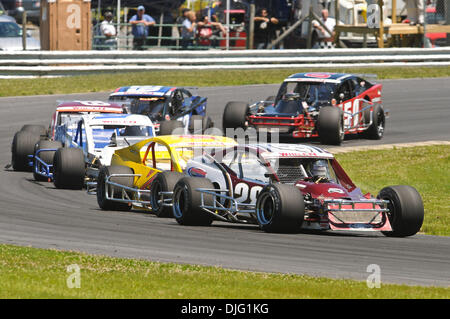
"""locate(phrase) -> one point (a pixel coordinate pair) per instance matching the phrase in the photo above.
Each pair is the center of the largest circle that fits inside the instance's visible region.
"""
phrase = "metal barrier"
(49, 63)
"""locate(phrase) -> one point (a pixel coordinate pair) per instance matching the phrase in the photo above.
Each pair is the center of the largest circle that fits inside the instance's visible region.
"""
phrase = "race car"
(143, 175)
(324, 105)
(287, 188)
(25, 140)
(169, 108)
(86, 144)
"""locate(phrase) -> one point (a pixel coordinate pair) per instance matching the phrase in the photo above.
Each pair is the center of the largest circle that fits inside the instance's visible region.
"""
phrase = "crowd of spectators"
(206, 30)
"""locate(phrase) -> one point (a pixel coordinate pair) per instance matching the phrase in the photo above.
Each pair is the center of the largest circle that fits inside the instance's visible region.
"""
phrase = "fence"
(51, 63)
(168, 36)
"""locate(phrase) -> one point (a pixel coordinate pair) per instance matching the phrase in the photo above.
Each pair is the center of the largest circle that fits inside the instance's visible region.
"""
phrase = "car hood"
(328, 190)
(15, 44)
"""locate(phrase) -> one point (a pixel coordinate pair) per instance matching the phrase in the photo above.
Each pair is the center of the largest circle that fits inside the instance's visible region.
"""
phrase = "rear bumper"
(298, 127)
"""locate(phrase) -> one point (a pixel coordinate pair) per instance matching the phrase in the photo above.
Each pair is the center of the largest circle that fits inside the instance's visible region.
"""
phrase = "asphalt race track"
(36, 214)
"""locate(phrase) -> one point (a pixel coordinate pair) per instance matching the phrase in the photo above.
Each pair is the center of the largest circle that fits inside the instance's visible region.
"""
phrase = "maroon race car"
(324, 105)
(286, 188)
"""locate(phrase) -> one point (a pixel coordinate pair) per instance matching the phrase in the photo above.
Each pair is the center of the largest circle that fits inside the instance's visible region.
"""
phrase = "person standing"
(414, 11)
(188, 29)
(108, 31)
(264, 29)
(140, 23)
(325, 38)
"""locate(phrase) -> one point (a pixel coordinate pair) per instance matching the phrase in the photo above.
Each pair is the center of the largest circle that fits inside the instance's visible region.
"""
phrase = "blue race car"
(169, 108)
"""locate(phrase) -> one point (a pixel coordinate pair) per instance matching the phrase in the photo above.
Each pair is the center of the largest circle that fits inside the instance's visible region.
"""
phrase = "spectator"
(209, 32)
(140, 23)
(188, 29)
(414, 10)
(325, 38)
(108, 31)
(264, 29)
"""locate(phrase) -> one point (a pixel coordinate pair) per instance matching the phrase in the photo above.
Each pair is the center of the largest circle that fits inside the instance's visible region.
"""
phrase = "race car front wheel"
(406, 210)
(22, 145)
(187, 201)
(163, 182)
(171, 127)
(39, 130)
(113, 191)
(198, 124)
(235, 115)
(280, 208)
(69, 168)
(376, 130)
(330, 125)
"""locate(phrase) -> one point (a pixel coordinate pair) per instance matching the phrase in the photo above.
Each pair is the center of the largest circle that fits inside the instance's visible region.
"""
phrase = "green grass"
(108, 82)
(425, 168)
(39, 273)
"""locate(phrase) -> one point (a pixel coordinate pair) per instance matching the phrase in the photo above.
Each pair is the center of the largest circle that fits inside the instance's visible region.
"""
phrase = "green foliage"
(108, 82)
(40, 273)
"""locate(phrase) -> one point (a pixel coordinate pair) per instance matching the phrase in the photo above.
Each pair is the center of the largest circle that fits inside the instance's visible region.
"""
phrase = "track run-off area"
(36, 214)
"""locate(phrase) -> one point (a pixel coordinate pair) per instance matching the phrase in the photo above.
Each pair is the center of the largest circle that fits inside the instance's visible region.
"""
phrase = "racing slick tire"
(46, 156)
(280, 208)
(39, 130)
(206, 123)
(163, 182)
(406, 210)
(169, 127)
(376, 130)
(330, 125)
(127, 181)
(235, 115)
(69, 169)
(22, 145)
(187, 201)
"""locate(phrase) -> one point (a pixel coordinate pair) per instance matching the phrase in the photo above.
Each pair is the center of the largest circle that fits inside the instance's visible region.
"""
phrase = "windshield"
(309, 92)
(152, 107)
(291, 170)
(10, 30)
(103, 135)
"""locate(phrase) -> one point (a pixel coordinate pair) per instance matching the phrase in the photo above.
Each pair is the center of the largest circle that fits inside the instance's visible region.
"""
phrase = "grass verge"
(39, 273)
(426, 168)
(108, 82)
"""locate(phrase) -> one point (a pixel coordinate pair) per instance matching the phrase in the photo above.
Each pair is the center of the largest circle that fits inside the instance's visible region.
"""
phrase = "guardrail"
(57, 63)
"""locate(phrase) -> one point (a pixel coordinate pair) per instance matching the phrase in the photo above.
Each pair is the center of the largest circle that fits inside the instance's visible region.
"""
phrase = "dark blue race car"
(169, 108)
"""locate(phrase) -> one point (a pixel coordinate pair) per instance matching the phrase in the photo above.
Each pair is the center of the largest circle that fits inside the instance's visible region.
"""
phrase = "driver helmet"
(319, 169)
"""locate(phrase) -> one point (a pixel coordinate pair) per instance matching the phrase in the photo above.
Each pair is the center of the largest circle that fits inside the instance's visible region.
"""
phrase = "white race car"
(89, 143)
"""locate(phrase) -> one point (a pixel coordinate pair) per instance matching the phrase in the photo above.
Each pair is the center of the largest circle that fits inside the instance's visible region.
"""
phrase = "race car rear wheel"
(46, 156)
(39, 130)
(171, 127)
(280, 208)
(235, 115)
(330, 125)
(376, 130)
(115, 192)
(69, 168)
(22, 145)
(163, 182)
(198, 124)
(187, 201)
(406, 210)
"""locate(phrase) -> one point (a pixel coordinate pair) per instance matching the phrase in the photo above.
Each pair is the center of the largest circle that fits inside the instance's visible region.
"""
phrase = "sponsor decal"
(335, 190)
(318, 75)
(196, 172)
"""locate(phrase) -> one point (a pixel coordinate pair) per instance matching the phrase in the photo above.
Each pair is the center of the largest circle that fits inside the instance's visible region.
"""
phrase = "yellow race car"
(143, 175)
